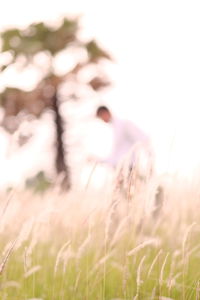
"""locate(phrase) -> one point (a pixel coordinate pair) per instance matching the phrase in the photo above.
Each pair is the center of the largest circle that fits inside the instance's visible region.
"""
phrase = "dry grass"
(105, 244)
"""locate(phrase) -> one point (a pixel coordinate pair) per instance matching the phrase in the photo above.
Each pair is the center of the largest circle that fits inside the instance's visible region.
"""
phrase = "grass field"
(82, 246)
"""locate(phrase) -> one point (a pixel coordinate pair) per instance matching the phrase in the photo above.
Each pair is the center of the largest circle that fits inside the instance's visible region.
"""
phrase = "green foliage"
(38, 183)
(39, 37)
(95, 52)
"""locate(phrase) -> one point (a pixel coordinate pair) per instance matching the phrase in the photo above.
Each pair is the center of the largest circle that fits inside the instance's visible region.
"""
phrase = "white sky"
(156, 75)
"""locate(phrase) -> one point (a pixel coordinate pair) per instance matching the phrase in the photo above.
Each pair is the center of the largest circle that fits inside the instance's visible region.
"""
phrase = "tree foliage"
(23, 45)
(36, 38)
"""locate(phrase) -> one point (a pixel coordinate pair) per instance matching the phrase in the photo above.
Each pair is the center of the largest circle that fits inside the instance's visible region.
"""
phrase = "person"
(126, 135)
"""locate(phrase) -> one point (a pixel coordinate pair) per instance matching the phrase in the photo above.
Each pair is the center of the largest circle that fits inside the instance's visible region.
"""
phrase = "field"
(99, 244)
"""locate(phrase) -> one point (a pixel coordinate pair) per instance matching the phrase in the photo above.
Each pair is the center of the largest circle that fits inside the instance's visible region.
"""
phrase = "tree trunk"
(60, 162)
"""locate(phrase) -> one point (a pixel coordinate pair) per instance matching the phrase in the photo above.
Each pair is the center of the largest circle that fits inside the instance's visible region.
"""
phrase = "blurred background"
(60, 60)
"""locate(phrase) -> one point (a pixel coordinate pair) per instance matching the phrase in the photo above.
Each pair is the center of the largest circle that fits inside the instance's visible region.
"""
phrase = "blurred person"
(140, 160)
(125, 136)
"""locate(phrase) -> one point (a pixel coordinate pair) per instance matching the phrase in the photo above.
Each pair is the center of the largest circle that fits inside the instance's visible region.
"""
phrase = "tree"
(23, 47)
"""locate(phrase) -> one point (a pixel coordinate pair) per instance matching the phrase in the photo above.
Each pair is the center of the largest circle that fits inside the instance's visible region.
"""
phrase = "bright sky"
(156, 75)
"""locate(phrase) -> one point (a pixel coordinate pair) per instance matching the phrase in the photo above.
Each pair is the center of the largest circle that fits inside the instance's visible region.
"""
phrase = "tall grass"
(106, 244)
